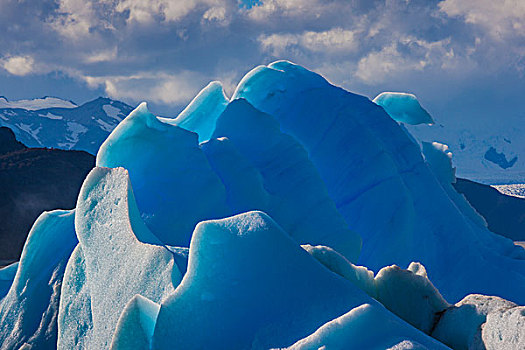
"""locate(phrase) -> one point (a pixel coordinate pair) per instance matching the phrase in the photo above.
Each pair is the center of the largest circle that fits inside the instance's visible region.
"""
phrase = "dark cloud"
(164, 51)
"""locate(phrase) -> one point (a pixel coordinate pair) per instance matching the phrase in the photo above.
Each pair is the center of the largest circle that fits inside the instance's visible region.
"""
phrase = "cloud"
(154, 87)
(500, 18)
(330, 41)
(164, 51)
(148, 11)
(18, 65)
(409, 54)
(216, 14)
(108, 55)
(302, 9)
(74, 19)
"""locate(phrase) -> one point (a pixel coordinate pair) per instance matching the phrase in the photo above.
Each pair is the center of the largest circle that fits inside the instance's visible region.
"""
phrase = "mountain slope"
(77, 128)
(33, 180)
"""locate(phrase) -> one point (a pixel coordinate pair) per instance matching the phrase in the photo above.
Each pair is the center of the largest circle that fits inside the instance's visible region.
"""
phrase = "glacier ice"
(504, 329)
(439, 157)
(136, 325)
(249, 285)
(7, 275)
(298, 198)
(168, 172)
(403, 107)
(268, 171)
(245, 273)
(121, 258)
(75, 320)
(410, 296)
(244, 183)
(366, 327)
(28, 313)
(238, 224)
(383, 187)
(202, 113)
(337, 263)
(460, 326)
(407, 293)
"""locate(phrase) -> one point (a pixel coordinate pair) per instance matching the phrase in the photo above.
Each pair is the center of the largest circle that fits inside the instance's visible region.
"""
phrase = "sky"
(464, 59)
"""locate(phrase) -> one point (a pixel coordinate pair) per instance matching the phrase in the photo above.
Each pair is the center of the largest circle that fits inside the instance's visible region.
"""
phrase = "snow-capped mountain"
(490, 154)
(62, 124)
(37, 103)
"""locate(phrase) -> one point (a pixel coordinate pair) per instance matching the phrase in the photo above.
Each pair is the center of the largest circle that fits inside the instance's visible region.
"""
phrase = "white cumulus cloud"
(333, 40)
(166, 88)
(500, 18)
(18, 65)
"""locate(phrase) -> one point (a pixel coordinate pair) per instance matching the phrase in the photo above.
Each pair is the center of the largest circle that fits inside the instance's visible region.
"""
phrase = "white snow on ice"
(515, 190)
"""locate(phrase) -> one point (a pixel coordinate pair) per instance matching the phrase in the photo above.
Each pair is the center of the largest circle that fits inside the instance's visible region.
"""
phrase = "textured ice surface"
(75, 320)
(460, 326)
(382, 186)
(505, 329)
(407, 293)
(249, 285)
(121, 258)
(335, 262)
(28, 313)
(516, 190)
(410, 296)
(366, 327)
(403, 107)
(136, 325)
(201, 114)
(439, 159)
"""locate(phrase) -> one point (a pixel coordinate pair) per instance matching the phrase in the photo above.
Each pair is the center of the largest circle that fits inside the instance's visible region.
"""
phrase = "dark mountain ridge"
(33, 180)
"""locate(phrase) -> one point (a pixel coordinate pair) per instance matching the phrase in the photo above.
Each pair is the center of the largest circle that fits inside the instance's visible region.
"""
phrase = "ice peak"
(403, 107)
(201, 114)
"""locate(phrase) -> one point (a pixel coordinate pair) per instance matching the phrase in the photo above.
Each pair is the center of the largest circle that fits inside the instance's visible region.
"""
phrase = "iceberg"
(504, 329)
(382, 186)
(169, 173)
(75, 319)
(403, 108)
(366, 327)
(136, 324)
(276, 219)
(298, 198)
(251, 286)
(120, 258)
(202, 113)
(460, 326)
(28, 313)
